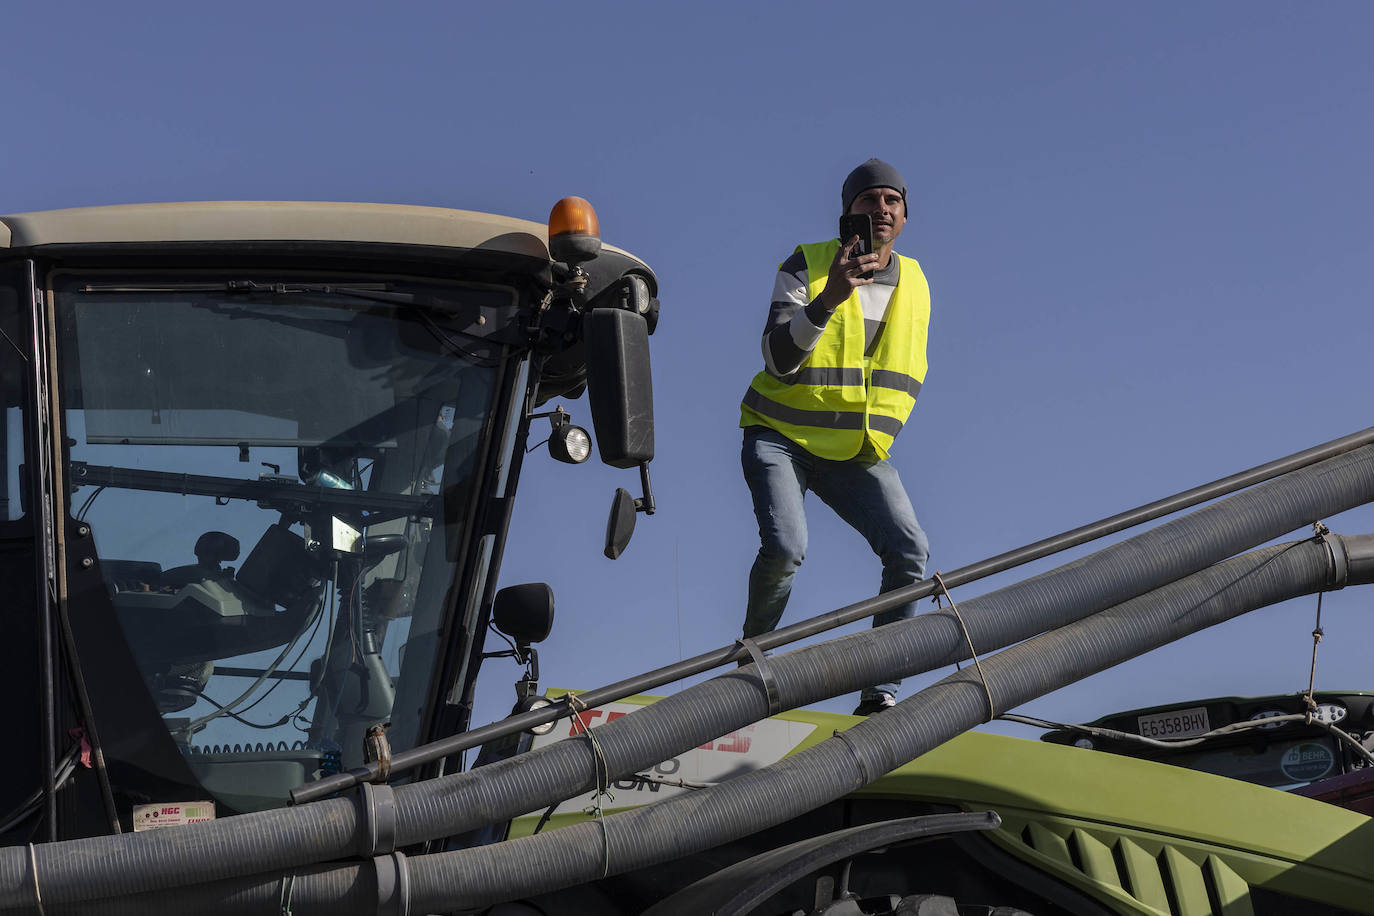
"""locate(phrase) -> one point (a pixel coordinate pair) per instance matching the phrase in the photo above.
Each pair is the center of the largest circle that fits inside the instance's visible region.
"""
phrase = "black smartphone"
(860, 224)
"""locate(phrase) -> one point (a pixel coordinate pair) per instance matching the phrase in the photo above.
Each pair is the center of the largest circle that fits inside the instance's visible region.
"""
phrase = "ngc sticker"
(152, 817)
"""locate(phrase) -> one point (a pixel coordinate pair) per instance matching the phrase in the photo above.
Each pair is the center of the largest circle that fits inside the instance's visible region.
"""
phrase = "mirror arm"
(645, 505)
(532, 665)
(528, 685)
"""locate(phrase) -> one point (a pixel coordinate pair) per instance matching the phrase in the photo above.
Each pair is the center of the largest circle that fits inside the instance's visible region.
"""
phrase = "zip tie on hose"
(602, 773)
(37, 892)
(854, 752)
(288, 887)
(987, 689)
(770, 684)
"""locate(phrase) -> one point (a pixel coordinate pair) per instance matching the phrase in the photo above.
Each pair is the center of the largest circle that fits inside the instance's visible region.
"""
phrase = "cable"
(602, 774)
(442, 336)
(197, 724)
(508, 641)
(86, 505)
(66, 766)
(1172, 743)
(940, 583)
(331, 596)
(290, 669)
(296, 716)
(1320, 531)
(225, 710)
(355, 618)
(353, 653)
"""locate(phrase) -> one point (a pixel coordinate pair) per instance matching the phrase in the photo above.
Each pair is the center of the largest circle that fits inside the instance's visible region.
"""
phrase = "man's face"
(887, 210)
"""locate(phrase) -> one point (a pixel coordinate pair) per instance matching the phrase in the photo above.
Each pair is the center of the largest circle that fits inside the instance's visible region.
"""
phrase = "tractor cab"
(260, 461)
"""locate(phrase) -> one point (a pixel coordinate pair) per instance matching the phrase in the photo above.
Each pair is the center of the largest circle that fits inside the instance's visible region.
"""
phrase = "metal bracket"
(376, 749)
(1340, 558)
(770, 684)
(377, 818)
(857, 757)
(393, 885)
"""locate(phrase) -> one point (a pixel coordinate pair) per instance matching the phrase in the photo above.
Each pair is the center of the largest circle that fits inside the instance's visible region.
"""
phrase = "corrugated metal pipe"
(688, 823)
(270, 842)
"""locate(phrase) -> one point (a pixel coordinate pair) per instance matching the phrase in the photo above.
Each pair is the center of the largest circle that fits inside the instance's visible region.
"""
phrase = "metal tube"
(648, 506)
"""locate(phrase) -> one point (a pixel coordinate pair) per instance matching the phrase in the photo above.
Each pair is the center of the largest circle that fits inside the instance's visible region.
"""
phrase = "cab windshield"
(278, 475)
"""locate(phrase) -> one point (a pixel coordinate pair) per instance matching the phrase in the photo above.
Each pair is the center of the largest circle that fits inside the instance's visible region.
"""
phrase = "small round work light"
(532, 704)
(570, 444)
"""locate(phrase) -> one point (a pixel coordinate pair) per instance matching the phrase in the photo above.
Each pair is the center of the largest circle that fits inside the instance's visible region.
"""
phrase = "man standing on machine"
(844, 354)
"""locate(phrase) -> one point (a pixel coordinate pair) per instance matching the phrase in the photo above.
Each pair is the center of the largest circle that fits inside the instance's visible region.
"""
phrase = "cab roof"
(276, 221)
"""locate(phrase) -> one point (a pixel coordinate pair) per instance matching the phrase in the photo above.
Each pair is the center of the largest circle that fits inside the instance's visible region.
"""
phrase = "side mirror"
(620, 385)
(620, 527)
(524, 612)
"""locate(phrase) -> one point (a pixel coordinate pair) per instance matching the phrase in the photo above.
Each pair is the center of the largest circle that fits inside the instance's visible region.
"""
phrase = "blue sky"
(1147, 232)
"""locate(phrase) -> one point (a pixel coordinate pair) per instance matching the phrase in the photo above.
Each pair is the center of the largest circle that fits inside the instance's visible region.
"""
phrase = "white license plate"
(1180, 723)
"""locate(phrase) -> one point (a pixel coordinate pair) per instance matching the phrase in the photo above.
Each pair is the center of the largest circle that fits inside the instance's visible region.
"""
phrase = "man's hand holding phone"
(854, 263)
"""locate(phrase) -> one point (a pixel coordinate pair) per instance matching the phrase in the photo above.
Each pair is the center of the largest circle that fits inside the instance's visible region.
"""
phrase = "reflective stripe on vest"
(838, 398)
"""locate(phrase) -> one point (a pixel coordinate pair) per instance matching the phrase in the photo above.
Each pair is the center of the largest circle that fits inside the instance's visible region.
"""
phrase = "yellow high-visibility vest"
(838, 398)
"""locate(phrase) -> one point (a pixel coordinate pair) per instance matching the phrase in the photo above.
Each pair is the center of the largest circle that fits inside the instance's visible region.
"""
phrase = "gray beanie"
(872, 174)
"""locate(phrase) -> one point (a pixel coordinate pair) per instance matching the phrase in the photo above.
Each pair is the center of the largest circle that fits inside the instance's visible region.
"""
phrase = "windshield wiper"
(372, 292)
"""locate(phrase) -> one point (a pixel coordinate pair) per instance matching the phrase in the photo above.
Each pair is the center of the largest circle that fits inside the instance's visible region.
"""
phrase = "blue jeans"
(864, 491)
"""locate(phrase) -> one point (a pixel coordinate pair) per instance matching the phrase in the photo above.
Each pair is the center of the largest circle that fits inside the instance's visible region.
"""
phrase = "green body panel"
(1137, 834)
(1140, 837)
(824, 726)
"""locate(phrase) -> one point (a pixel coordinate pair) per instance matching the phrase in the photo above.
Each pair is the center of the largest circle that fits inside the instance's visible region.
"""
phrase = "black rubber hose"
(739, 807)
(103, 867)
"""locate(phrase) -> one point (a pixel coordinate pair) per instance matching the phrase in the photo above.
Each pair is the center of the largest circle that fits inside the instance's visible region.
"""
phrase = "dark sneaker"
(875, 703)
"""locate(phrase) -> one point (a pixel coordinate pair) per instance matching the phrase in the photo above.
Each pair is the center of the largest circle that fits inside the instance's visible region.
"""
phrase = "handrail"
(444, 747)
